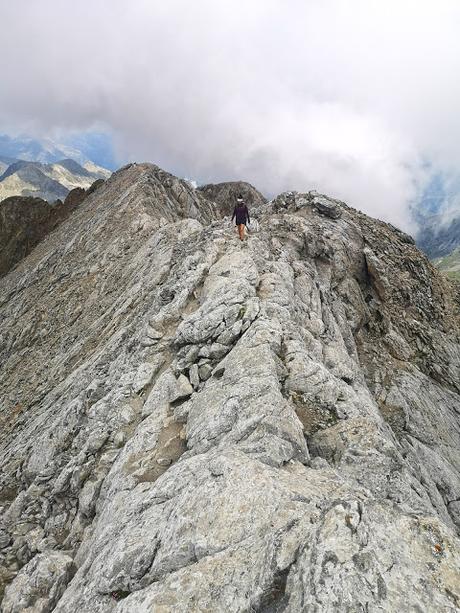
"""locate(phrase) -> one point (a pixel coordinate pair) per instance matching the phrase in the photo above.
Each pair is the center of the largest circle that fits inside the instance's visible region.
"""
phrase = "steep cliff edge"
(194, 424)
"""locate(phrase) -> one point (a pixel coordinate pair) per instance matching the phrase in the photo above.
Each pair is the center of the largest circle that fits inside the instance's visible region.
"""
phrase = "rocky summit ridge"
(194, 424)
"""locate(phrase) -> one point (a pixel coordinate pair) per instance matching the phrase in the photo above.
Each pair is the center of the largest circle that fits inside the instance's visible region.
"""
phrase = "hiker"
(241, 216)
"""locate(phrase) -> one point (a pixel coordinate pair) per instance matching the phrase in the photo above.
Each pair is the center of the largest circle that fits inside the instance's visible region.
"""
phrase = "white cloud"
(345, 96)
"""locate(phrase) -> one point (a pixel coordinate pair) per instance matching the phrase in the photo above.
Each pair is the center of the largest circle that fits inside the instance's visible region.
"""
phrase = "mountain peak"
(47, 181)
(73, 166)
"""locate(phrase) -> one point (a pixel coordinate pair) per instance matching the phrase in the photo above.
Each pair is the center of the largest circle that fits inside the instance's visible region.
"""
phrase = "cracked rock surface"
(190, 423)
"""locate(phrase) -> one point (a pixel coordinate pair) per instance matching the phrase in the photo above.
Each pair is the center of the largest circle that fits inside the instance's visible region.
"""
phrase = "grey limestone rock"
(39, 584)
(224, 195)
(194, 424)
(325, 206)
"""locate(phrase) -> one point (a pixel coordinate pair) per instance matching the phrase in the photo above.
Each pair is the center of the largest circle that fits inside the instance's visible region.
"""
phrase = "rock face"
(194, 424)
(51, 572)
(25, 221)
(225, 194)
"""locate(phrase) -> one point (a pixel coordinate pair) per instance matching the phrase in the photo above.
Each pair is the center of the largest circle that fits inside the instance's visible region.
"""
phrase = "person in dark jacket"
(241, 216)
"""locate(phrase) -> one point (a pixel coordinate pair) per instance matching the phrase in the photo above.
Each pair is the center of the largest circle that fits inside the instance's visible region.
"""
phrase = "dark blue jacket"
(241, 214)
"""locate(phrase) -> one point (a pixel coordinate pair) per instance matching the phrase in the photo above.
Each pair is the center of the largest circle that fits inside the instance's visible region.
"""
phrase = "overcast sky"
(358, 99)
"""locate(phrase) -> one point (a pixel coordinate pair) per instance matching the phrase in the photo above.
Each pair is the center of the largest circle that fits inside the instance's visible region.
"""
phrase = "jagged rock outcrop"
(225, 195)
(194, 424)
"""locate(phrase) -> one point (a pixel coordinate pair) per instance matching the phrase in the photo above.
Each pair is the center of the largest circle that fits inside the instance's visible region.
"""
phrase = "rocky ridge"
(194, 424)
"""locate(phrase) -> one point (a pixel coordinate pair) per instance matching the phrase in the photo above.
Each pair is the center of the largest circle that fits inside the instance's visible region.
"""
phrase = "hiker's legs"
(241, 231)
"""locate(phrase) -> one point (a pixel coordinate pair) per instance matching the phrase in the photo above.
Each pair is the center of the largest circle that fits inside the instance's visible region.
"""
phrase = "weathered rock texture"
(225, 195)
(194, 424)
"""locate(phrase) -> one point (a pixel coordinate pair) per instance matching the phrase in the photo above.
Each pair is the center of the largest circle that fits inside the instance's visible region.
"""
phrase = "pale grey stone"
(39, 584)
(326, 206)
(183, 389)
(218, 351)
(154, 334)
(119, 439)
(314, 466)
(204, 372)
(143, 377)
(194, 376)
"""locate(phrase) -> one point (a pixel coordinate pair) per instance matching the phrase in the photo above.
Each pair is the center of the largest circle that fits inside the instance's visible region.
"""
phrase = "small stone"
(164, 461)
(5, 539)
(218, 351)
(148, 342)
(187, 357)
(95, 441)
(166, 295)
(40, 583)
(119, 439)
(143, 377)
(326, 207)
(154, 334)
(319, 463)
(194, 376)
(205, 371)
(183, 389)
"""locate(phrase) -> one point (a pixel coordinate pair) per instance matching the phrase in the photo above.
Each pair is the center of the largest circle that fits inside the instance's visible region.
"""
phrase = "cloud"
(356, 98)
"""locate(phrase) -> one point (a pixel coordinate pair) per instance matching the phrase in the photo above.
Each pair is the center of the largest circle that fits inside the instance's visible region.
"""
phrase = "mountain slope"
(24, 222)
(47, 181)
(26, 179)
(5, 162)
(450, 264)
(191, 423)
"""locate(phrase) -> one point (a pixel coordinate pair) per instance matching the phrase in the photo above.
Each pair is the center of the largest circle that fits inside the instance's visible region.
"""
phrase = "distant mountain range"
(439, 234)
(437, 214)
(48, 181)
(44, 169)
